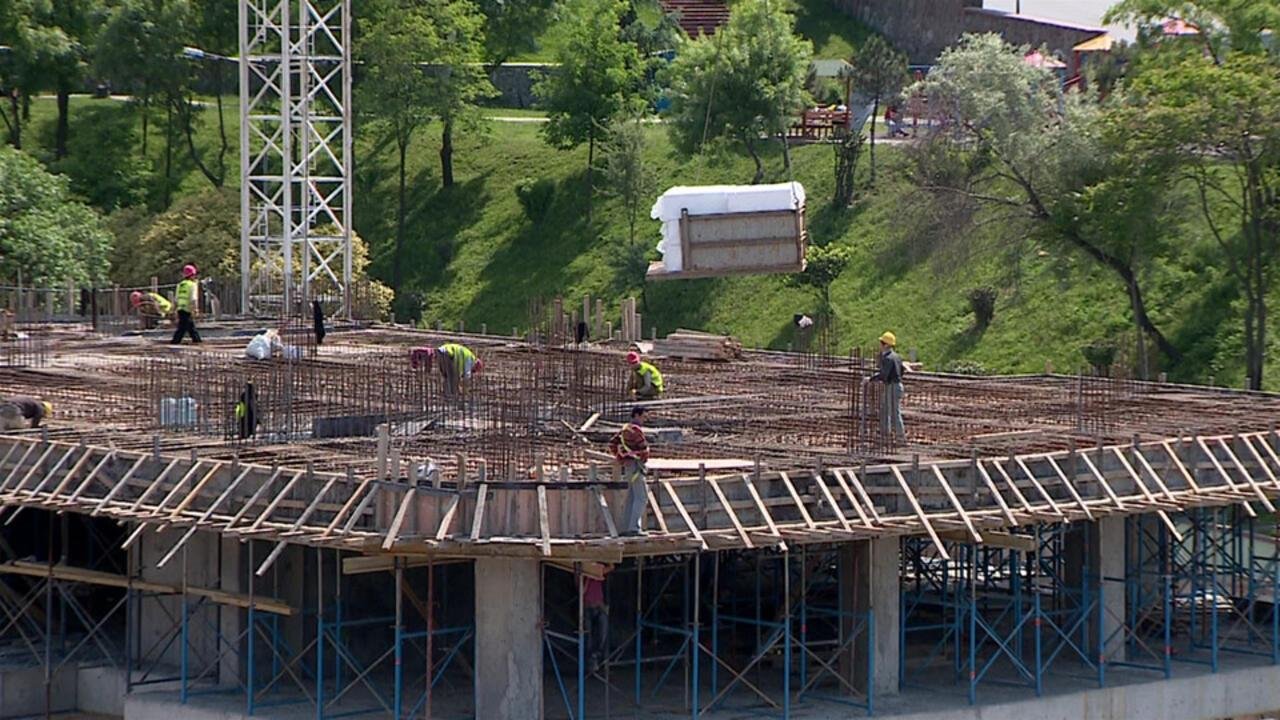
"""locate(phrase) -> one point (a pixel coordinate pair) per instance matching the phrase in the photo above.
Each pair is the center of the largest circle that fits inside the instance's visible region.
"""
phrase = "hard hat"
(888, 338)
(633, 358)
(189, 271)
(48, 408)
(135, 298)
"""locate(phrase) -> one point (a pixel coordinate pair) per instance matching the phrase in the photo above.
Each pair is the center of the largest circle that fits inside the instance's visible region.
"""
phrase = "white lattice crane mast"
(295, 155)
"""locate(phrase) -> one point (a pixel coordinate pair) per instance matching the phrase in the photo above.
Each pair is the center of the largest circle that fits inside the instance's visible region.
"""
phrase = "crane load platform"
(721, 230)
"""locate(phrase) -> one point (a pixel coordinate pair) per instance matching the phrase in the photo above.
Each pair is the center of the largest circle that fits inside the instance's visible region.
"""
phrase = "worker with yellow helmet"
(23, 412)
(890, 373)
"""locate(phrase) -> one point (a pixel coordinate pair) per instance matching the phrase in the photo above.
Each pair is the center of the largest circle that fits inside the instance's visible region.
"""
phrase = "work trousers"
(637, 496)
(597, 627)
(891, 426)
(186, 326)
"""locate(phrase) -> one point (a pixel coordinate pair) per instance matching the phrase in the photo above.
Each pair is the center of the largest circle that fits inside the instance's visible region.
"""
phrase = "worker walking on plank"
(890, 373)
(457, 363)
(22, 412)
(151, 307)
(644, 382)
(187, 300)
(630, 448)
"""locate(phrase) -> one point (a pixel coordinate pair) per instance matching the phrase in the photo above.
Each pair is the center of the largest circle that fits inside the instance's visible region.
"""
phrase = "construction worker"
(890, 373)
(22, 412)
(630, 448)
(596, 614)
(187, 300)
(457, 363)
(150, 306)
(645, 382)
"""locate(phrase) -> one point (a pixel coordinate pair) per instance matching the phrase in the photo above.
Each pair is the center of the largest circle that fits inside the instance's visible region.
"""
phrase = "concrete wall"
(515, 82)
(924, 28)
(508, 639)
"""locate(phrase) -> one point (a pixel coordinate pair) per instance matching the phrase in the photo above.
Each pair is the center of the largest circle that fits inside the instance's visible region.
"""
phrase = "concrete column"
(508, 641)
(1094, 556)
(232, 619)
(869, 583)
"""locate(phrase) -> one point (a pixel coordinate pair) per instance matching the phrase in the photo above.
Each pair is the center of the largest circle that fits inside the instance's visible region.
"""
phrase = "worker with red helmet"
(457, 362)
(187, 300)
(644, 382)
(150, 306)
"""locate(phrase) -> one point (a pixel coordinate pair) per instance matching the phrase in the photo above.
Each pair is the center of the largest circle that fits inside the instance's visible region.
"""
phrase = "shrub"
(982, 300)
(536, 196)
(1100, 354)
(966, 367)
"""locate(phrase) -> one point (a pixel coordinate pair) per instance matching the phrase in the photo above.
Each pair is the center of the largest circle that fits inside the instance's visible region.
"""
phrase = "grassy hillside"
(472, 255)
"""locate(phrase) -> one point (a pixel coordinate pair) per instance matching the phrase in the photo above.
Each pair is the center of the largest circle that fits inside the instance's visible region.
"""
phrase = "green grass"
(834, 34)
(472, 255)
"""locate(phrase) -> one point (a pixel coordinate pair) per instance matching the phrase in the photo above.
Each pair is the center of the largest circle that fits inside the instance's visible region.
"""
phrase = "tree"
(15, 25)
(848, 148)
(1218, 123)
(878, 71)
(823, 265)
(1239, 25)
(512, 27)
(746, 83)
(598, 78)
(627, 176)
(55, 45)
(455, 79)
(46, 235)
(1029, 157)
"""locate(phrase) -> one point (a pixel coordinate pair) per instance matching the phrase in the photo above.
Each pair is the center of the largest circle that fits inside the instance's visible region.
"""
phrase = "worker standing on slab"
(630, 448)
(457, 363)
(187, 300)
(890, 373)
(23, 412)
(644, 382)
(151, 307)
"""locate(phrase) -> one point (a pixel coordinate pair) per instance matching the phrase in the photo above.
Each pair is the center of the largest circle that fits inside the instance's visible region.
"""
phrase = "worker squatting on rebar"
(890, 373)
(187, 300)
(457, 363)
(22, 412)
(630, 448)
(152, 307)
(644, 382)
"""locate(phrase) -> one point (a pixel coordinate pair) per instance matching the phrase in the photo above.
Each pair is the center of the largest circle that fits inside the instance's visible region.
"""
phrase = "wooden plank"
(603, 504)
(1164, 517)
(1070, 486)
(835, 507)
(205, 516)
(477, 519)
(446, 522)
(995, 493)
(684, 513)
(1013, 487)
(764, 511)
(1177, 462)
(657, 511)
(195, 492)
(253, 499)
(955, 503)
(359, 512)
(862, 492)
(1035, 483)
(275, 502)
(121, 486)
(924, 519)
(133, 469)
(1226, 478)
(544, 525)
(795, 497)
(1261, 462)
(844, 487)
(590, 421)
(1106, 486)
(994, 538)
(97, 577)
(393, 533)
(690, 465)
(733, 517)
(1257, 489)
(346, 507)
(1146, 465)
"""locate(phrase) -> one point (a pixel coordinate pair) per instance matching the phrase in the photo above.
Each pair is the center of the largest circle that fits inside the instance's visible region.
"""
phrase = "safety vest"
(654, 376)
(460, 354)
(187, 294)
(162, 303)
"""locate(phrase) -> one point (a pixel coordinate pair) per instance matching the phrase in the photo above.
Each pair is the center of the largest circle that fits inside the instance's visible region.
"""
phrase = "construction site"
(334, 529)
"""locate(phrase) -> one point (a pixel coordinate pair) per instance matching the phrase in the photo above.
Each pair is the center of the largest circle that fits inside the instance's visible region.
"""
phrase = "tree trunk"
(403, 146)
(446, 154)
(61, 131)
(186, 112)
(751, 149)
(875, 110)
(222, 125)
(168, 154)
(146, 119)
(1261, 344)
(1139, 307)
(786, 153)
(591, 161)
(1143, 368)
(15, 132)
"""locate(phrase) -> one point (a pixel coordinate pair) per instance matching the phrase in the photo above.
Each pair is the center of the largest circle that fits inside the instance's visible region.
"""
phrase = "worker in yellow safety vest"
(151, 307)
(645, 382)
(187, 300)
(457, 363)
